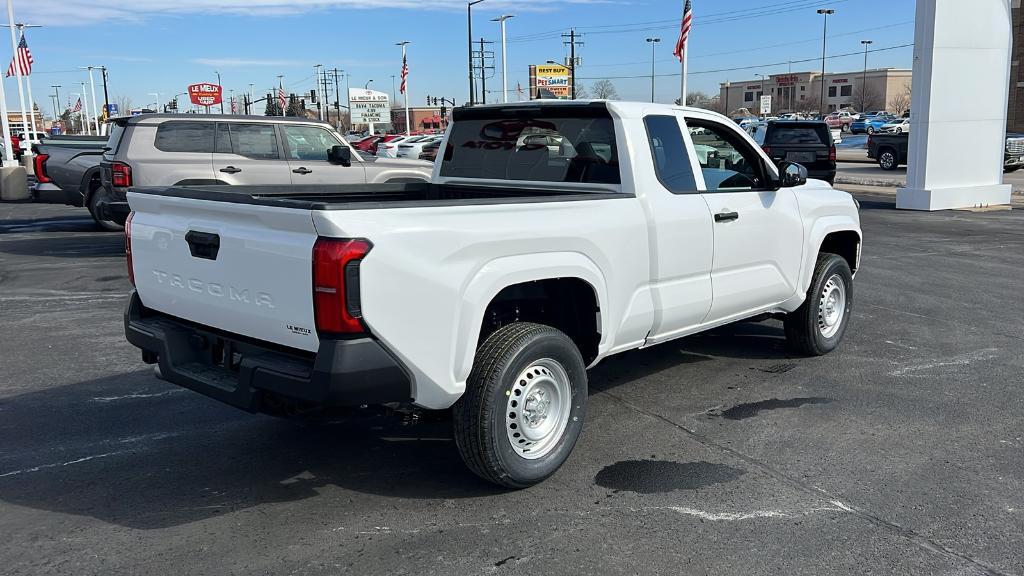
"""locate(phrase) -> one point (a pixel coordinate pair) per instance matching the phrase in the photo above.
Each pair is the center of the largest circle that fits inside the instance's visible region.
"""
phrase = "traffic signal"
(312, 95)
(428, 99)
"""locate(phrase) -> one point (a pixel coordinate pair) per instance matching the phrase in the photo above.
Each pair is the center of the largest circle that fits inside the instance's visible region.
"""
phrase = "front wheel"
(818, 325)
(524, 405)
(871, 130)
(887, 160)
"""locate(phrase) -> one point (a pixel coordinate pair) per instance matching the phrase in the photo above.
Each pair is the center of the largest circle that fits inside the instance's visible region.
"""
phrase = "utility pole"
(337, 96)
(864, 78)
(252, 99)
(483, 73)
(504, 57)
(319, 101)
(824, 37)
(56, 92)
(326, 96)
(654, 43)
(469, 37)
(572, 59)
(106, 96)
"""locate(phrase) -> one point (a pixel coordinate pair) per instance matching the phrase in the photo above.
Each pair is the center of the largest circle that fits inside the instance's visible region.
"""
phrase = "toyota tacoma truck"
(493, 288)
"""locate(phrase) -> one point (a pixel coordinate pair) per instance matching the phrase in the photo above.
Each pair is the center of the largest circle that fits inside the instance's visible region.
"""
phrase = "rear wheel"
(887, 160)
(92, 203)
(818, 325)
(524, 405)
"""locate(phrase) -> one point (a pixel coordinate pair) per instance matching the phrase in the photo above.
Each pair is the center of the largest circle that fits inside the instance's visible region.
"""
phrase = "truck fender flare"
(86, 179)
(495, 275)
(821, 228)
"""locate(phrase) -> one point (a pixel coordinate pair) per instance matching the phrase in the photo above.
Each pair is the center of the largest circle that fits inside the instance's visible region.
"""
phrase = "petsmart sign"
(204, 94)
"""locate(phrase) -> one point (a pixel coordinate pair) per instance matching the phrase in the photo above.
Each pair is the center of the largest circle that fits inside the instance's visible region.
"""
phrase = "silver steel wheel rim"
(887, 159)
(537, 409)
(831, 306)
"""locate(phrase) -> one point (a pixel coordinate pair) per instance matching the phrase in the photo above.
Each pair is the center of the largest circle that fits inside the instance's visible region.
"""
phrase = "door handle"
(302, 170)
(726, 216)
(230, 170)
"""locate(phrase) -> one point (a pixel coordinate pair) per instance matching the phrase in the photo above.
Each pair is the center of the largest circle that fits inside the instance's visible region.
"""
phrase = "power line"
(814, 59)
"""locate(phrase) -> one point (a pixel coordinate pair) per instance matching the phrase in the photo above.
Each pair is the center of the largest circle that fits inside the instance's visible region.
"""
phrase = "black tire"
(887, 159)
(804, 333)
(480, 415)
(871, 130)
(1011, 169)
(95, 195)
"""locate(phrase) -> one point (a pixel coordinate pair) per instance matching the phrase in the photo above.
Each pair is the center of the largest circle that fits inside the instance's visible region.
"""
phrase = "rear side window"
(258, 141)
(116, 133)
(800, 135)
(184, 136)
(536, 145)
(671, 162)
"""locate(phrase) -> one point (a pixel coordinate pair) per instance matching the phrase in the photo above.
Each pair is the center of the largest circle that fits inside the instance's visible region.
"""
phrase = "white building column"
(958, 106)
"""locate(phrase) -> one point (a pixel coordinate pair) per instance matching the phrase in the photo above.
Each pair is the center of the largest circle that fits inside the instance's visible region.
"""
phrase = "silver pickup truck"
(192, 150)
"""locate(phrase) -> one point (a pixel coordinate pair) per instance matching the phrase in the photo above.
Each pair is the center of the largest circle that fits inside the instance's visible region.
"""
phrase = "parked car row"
(890, 150)
(208, 150)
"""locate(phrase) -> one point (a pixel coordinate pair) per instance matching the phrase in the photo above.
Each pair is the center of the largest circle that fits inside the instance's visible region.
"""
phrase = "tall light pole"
(5, 122)
(92, 94)
(156, 95)
(367, 85)
(405, 85)
(864, 78)
(469, 34)
(654, 43)
(394, 91)
(824, 35)
(504, 58)
(319, 107)
(252, 99)
(85, 109)
(221, 86)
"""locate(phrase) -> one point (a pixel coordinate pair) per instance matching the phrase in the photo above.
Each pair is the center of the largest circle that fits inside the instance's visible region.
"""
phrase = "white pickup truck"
(493, 288)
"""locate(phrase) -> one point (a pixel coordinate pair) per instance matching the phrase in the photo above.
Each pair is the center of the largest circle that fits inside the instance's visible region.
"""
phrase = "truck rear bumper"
(241, 372)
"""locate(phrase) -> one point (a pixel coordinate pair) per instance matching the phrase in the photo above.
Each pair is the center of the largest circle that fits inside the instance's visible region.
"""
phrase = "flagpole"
(92, 88)
(682, 81)
(17, 67)
(5, 122)
(85, 111)
(405, 85)
(28, 84)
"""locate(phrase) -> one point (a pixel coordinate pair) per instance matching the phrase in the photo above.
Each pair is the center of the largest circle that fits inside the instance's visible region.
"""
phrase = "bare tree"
(806, 106)
(581, 92)
(124, 105)
(900, 103)
(867, 98)
(605, 90)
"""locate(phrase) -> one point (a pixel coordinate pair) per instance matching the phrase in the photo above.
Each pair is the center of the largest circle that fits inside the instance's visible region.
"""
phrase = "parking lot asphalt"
(901, 453)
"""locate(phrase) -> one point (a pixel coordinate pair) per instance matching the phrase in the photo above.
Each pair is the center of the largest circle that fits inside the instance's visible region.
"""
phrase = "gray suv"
(192, 150)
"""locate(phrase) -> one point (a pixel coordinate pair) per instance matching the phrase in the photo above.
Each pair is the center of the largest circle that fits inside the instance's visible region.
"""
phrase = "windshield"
(811, 134)
(543, 147)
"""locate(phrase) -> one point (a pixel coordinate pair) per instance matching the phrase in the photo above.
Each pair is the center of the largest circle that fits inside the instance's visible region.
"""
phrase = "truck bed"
(370, 196)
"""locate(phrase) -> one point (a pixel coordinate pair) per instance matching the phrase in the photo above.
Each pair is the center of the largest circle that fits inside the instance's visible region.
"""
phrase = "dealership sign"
(205, 94)
(369, 107)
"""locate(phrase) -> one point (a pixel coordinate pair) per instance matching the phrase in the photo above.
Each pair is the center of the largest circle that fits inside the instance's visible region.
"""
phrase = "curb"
(885, 183)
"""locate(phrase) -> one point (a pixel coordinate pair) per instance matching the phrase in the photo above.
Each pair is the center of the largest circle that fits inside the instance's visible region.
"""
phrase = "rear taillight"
(39, 166)
(336, 300)
(120, 175)
(832, 153)
(128, 247)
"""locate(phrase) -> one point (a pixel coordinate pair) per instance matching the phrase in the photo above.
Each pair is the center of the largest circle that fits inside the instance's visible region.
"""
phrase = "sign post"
(369, 107)
(205, 94)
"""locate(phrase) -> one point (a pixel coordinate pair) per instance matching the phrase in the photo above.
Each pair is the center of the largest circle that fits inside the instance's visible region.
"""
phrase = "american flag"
(280, 97)
(78, 106)
(22, 58)
(234, 109)
(684, 31)
(405, 74)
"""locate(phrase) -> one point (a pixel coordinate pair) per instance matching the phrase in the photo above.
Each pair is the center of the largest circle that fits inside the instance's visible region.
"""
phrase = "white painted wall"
(961, 81)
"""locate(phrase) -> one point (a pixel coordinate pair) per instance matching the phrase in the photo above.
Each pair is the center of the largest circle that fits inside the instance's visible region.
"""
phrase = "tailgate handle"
(203, 244)
(231, 170)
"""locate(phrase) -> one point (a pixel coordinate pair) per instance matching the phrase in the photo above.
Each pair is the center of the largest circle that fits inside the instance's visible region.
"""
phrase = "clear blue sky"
(164, 45)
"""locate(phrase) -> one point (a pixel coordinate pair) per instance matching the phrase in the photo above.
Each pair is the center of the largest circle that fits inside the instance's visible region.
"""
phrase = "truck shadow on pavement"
(133, 451)
(66, 246)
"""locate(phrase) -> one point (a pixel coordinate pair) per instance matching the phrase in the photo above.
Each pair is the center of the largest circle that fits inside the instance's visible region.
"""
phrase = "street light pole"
(219, 85)
(504, 58)
(157, 96)
(824, 35)
(864, 77)
(319, 101)
(56, 91)
(654, 43)
(394, 92)
(469, 35)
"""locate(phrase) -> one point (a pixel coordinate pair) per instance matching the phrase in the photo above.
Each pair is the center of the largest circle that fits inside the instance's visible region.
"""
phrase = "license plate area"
(800, 156)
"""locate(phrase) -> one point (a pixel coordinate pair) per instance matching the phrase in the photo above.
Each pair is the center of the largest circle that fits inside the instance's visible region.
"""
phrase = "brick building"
(800, 91)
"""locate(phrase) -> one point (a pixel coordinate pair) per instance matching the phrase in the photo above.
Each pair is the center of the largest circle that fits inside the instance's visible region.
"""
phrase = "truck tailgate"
(241, 268)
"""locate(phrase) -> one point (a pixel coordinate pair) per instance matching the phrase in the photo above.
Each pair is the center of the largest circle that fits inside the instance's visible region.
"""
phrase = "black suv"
(805, 142)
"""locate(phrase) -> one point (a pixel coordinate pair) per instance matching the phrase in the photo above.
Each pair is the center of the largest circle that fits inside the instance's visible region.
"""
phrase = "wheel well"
(568, 304)
(845, 244)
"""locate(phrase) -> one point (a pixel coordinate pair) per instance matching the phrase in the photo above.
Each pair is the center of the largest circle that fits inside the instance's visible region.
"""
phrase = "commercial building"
(876, 89)
(421, 118)
(1015, 106)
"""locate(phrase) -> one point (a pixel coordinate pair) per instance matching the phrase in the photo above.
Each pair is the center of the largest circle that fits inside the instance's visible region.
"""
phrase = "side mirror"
(792, 174)
(339, 154)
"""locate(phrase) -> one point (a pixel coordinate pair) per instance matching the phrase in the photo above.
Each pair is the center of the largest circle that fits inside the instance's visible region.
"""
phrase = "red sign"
(786, 79)
(204, 94)
(841, 81)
